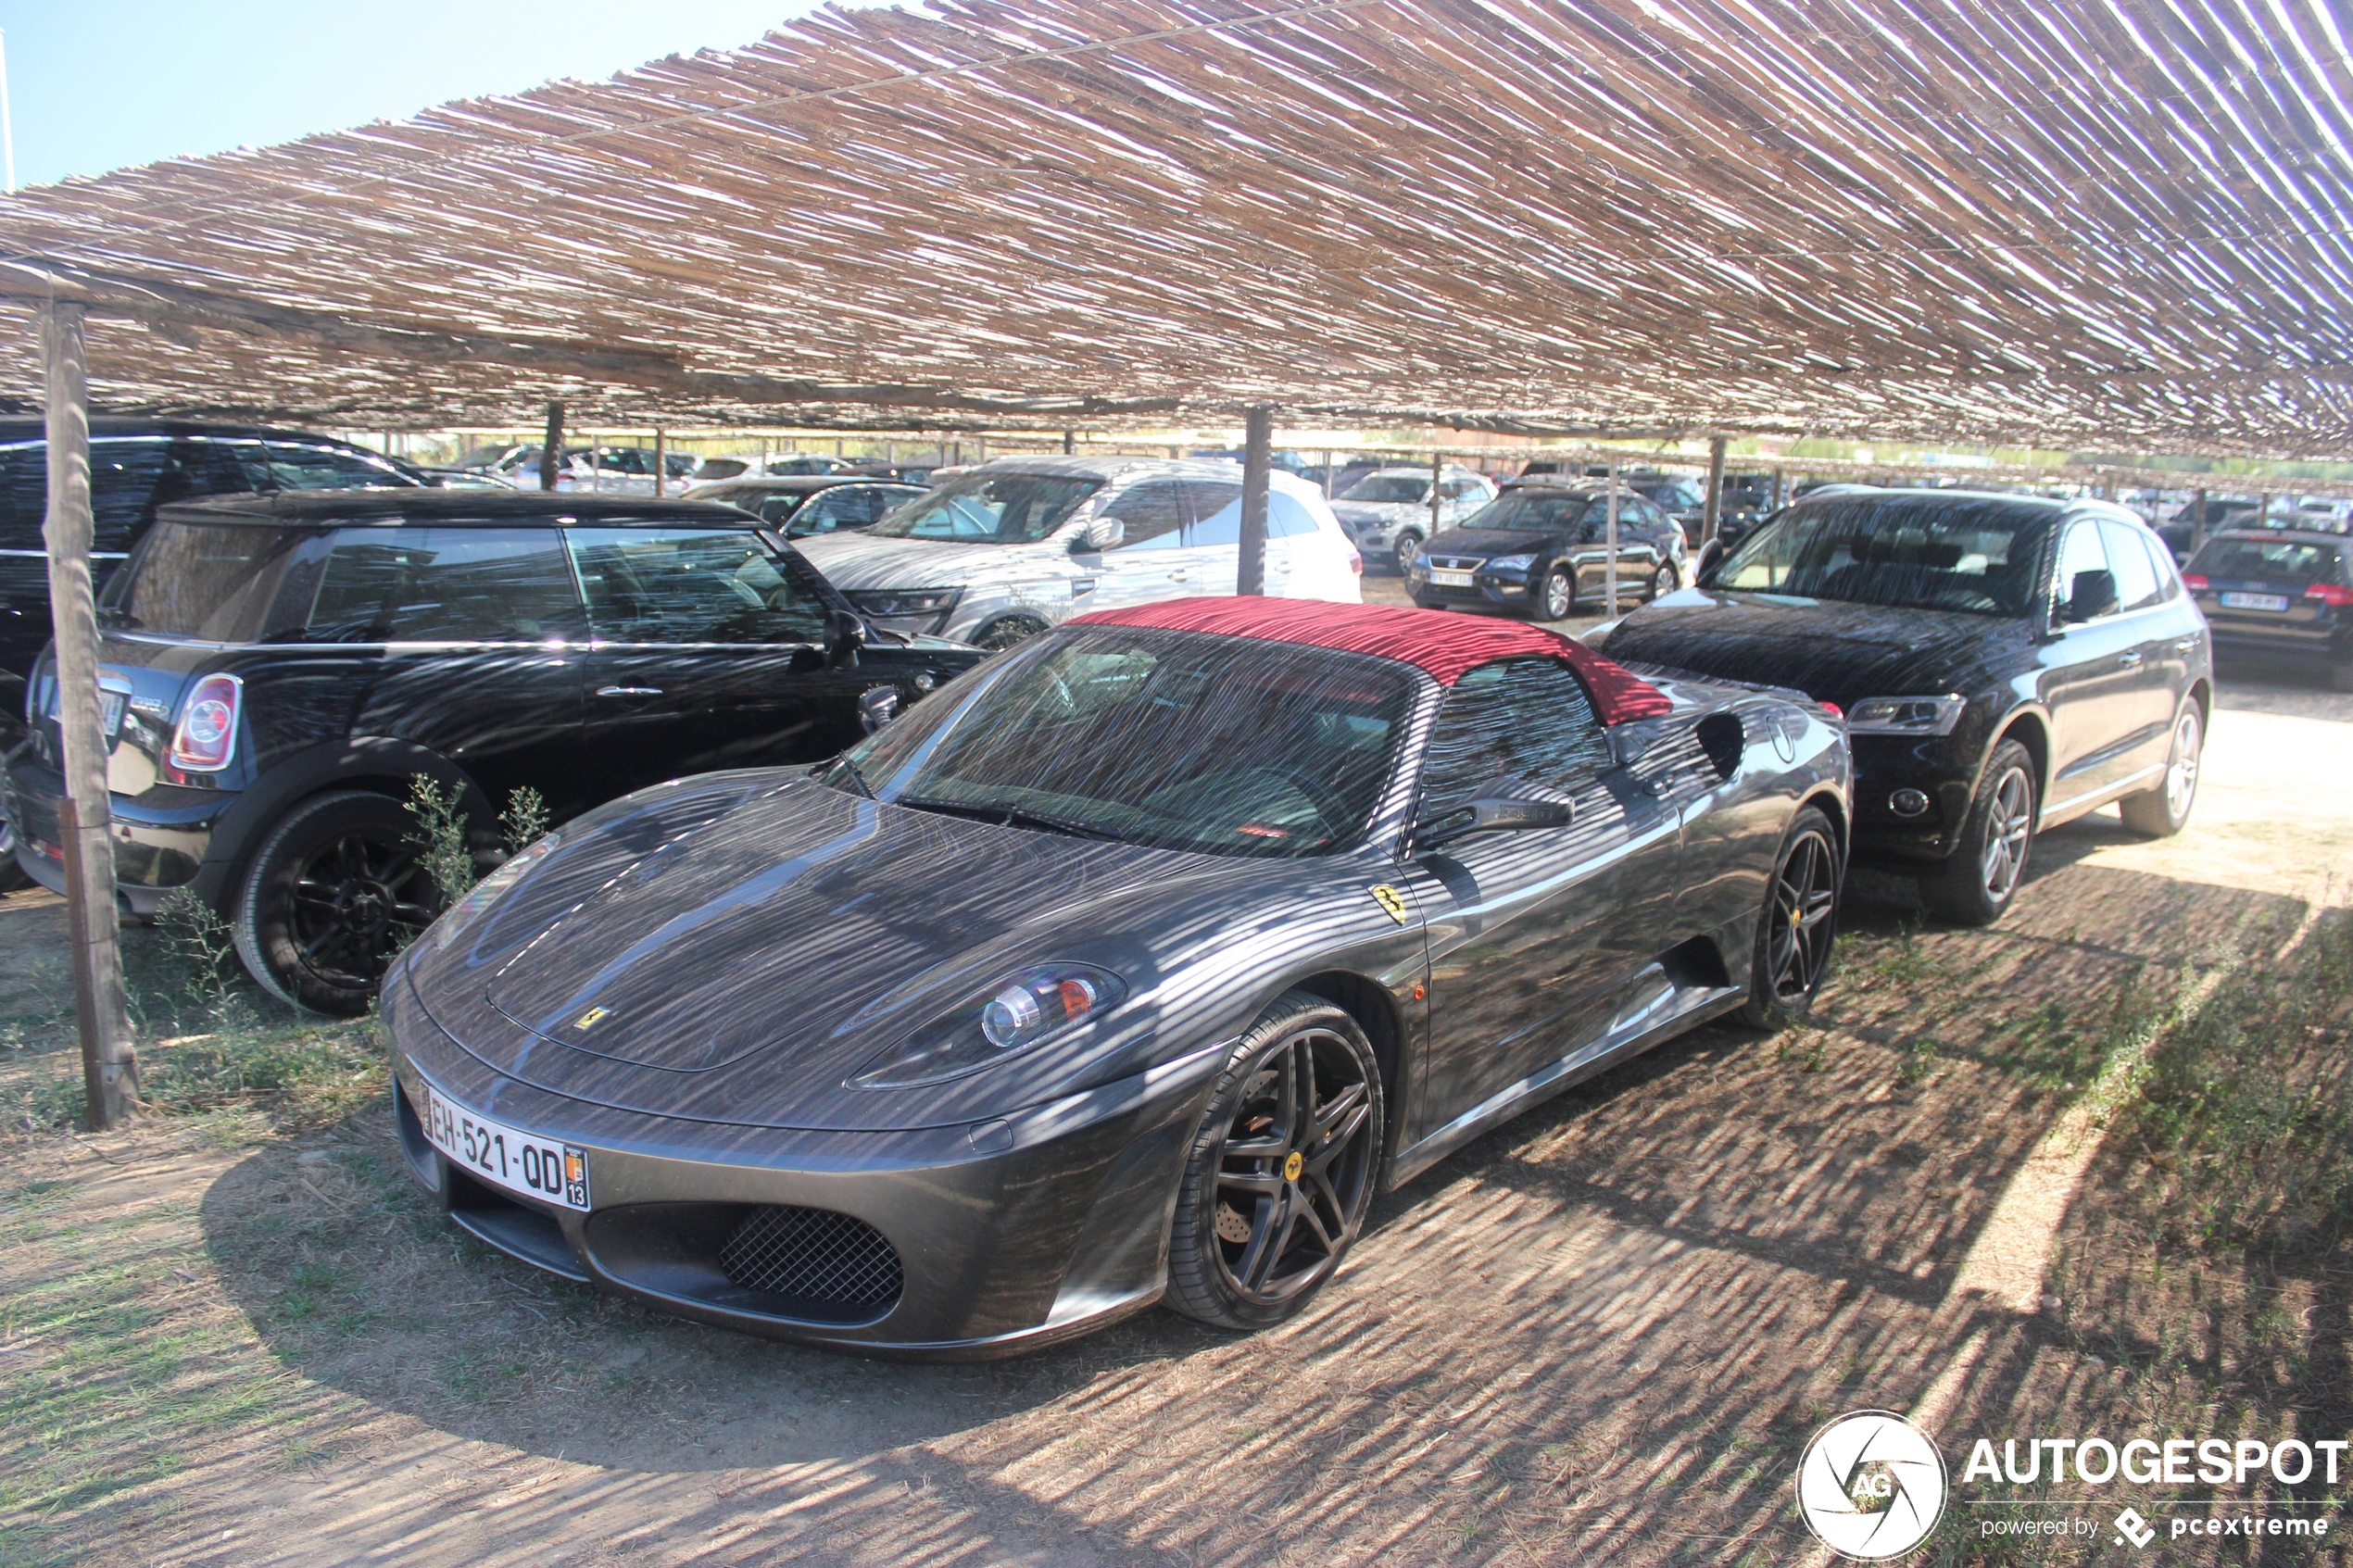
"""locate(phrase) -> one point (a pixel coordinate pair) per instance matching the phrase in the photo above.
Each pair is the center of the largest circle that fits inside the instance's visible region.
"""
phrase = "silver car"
(1005, 549)
(1386, 512)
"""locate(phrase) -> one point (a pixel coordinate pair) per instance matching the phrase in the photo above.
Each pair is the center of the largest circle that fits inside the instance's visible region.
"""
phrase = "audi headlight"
(490, 889)
(1907, 715)
(1026, 1010)
(1510, 563)
(905, 601)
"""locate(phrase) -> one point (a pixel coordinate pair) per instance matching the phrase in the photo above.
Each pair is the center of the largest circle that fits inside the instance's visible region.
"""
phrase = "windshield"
(1975, 554)
(1530, 511)
(1178, 740)
(1388, 489)
(2268, 560)
(991, 508)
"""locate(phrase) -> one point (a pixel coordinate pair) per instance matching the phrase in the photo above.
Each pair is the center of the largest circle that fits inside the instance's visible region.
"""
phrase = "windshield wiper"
(843, 764)
(1008, 816)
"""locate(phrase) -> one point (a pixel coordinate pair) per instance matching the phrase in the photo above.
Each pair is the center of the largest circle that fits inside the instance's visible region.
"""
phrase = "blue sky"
(99, 84)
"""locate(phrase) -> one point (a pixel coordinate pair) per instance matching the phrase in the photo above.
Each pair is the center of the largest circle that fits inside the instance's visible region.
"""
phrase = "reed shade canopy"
(2121, 223)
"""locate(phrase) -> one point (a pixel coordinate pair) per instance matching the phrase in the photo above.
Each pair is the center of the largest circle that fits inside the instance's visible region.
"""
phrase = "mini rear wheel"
(335, 892)
(2165, 810)
(1282, 1169)
(1798, 926)
(1978, 881)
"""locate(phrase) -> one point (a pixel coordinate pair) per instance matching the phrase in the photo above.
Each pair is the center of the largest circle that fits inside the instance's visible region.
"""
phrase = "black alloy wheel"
(12, 875)
(1978, 881)
(337, 891)
(1798, 926)
(1007, 631)
(1406, 551)
(1282, 1169)
(1556, 600)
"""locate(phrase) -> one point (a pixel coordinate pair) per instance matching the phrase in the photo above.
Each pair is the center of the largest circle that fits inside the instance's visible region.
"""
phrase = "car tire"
(1007, 631)
(1406, 552)
(1797, 926)
(12, 875)
(1306, 1185)
(1556, 597)
(2165, 810)
(1664, 581)
(335, 891)
(1984, 873)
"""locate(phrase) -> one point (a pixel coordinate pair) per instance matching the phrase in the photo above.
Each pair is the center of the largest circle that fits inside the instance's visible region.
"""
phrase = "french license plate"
(111, 707)
(1450, 579)
(2273, 602)
(507, 1157)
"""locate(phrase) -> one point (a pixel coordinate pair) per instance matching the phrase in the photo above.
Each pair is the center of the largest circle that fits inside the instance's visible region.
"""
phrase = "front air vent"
(814, 1255)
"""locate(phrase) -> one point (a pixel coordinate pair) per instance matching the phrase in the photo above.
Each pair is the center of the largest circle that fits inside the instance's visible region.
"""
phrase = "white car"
(1008, 548)
(1386, 512)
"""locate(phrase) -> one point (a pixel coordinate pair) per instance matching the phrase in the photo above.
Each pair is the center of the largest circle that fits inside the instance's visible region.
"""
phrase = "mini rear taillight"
(2194, 583)
(2330, 593)
(1833, 709)
(206, 736)
(1356, 563)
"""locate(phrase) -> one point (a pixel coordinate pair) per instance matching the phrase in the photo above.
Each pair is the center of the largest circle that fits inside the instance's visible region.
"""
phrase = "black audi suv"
(278, 668)
(2006, 664)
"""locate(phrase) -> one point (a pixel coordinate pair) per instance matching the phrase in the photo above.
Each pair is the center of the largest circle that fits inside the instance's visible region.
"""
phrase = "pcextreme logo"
(1870, 1486)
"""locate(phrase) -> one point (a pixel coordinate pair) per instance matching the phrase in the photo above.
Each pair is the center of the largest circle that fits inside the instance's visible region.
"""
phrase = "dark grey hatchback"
(2006, 664)
(278, 668)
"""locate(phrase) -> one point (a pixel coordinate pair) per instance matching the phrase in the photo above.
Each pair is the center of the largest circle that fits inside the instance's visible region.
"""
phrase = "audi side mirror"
(1503, 805)
(843, 637)
(2091, 595)
(1103, 534)
(878, 707)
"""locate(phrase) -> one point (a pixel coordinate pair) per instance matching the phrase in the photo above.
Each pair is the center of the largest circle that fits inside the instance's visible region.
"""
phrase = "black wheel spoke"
(1265, 1184)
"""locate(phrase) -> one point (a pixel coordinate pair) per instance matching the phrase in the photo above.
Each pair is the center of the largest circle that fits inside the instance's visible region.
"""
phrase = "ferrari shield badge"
(1389, 898)
(593, 1017)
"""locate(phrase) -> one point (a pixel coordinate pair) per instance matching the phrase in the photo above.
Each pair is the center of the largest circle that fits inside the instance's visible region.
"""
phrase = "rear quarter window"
(222, 583)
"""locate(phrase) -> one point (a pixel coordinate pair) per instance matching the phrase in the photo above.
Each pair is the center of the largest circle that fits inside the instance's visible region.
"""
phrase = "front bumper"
(1488, 590)
(1932, 764)
(160, 837)
(1010, 1235)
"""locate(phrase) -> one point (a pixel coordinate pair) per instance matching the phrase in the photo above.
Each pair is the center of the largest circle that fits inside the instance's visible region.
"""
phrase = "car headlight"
(490, 889)
(1023, 1010)
(1907, 715)
(906, 601)
(1510, 563)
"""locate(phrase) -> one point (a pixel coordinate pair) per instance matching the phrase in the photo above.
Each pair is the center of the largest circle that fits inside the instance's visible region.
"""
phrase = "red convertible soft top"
(1446, 645)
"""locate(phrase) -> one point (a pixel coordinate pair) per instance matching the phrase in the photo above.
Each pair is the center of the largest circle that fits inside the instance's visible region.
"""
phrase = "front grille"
(813, 1255)
(1457, 563)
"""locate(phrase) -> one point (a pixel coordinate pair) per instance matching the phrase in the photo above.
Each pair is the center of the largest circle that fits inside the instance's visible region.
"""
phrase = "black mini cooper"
(277, 669)
(2006, 664)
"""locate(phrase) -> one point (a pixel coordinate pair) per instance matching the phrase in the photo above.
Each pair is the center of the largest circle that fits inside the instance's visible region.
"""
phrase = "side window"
(777, 509)
(1286, 518)
(24, 499)
(443, 584)
(692, 585)
(1153, 513)
(2136, 579)
(1527, 718)
(293, 466)
(128, 480)
(2079, 551)
(845, 505)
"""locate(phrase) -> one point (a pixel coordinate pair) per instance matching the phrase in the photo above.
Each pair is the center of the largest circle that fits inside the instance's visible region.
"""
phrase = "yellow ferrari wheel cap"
(1293, 1165)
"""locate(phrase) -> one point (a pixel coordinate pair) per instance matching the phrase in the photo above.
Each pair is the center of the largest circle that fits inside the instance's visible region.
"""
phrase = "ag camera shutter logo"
(1872, 1485)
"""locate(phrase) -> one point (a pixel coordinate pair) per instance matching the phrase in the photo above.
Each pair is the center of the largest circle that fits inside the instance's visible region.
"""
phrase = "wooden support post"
(1609, 563)
(1328, 473)
(1250, 575)
(551, 446)
(661, 462)
(1070, 442)
(1713, 518)
(1775, 496)
(1436, 473)
(2197, 521)
(109, 1065)
(980, 447)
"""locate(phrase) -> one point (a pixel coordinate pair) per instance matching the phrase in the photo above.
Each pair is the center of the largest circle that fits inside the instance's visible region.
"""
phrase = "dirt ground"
(1601, 1332)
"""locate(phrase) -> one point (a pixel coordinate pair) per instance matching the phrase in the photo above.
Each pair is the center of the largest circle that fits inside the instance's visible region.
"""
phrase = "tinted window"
(2288, 563)
(1388, 489)
(1527, 718)
(24, 498)
(292, 466)
(1151, 514)
(692, 585)
(2137, 584)
(443, 584)
(217, 582)
(129, 480)
(1913, 552)
(1221, 744)
(1530, 511)
(991, 508)
(1286, 518)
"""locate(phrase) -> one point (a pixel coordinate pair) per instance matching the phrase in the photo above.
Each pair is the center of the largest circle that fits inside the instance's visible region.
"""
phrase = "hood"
(855, 561)
(1487, 542)
(742, 967)
(1831, 651)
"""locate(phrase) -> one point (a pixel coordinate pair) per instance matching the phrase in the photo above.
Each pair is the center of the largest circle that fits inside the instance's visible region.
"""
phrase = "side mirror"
(1103, 534)
(1504, 804)
(2091, 595)
(843, 637)
(878, 707)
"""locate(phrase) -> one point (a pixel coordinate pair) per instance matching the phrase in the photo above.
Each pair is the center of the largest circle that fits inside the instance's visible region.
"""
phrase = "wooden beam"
(1250, 574)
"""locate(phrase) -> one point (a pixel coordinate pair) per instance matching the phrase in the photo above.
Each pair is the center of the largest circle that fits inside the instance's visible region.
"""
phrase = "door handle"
(2187, 645)
(2130, 660)
(628, 690)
